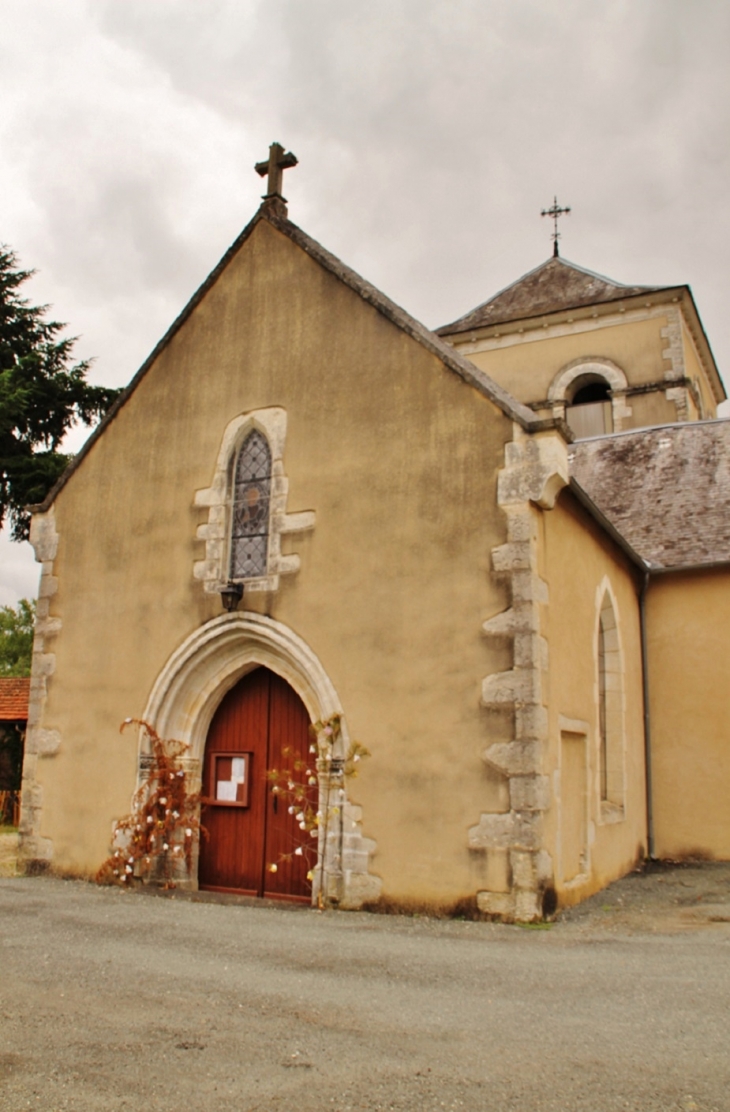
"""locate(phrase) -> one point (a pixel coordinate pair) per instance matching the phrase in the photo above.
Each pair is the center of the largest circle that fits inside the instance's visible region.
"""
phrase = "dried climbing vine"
(317, 813)
(159, 835)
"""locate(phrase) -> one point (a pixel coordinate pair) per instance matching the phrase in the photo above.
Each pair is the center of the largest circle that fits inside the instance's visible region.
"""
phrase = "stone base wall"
(342, 877)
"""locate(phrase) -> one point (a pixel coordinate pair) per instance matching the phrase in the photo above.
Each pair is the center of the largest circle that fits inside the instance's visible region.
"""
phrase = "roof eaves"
(649, 430)
(711, 565)
(588, 504)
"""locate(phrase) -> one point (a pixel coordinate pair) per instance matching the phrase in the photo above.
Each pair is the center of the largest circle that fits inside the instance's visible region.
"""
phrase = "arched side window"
(591, 395)
(250, 509)
(610, 712)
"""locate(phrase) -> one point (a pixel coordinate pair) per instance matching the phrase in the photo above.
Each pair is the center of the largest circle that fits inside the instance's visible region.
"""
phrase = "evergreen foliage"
(16, 638)
(42, 394)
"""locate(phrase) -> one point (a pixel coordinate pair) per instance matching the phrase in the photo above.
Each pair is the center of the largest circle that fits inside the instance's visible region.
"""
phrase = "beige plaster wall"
(650, 409)
(688, 619)
(578, 561)
(527, 367)
(397, 457)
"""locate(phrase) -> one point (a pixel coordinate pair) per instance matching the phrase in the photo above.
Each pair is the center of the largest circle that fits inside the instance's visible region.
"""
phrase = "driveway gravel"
(114, 1000)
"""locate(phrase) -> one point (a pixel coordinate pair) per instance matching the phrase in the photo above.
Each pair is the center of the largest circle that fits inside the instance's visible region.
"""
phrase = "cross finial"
(555, 211)
(275, 165)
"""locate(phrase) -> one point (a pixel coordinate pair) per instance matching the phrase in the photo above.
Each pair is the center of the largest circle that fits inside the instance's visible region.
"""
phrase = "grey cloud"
(430, 134)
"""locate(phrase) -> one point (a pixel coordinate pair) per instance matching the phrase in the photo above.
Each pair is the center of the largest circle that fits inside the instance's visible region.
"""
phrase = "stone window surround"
(598, 367)
(213, 569)
(189, 689)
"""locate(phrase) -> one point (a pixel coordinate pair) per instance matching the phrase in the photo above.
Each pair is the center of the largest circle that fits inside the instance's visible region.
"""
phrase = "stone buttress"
(535, 472)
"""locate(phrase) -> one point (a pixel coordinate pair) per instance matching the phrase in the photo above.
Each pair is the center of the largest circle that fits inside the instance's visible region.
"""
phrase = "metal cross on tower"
(555, 211)
(275, 165)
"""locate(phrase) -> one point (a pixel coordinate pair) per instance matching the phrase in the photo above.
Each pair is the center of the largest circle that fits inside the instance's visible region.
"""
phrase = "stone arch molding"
(602, 368)
(192, 683)
(213, 569)
(189, 689)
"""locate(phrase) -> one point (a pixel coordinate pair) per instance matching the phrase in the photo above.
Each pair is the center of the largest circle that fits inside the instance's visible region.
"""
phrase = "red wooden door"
(260, 725)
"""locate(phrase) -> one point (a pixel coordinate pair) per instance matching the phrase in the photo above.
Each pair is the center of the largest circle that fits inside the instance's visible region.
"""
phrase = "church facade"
(408, 530)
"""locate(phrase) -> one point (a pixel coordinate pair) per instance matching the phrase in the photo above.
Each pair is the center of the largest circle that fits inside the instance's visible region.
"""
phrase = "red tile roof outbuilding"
(14, 693)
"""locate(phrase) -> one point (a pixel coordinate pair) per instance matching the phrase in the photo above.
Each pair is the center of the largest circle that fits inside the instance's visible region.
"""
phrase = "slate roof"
(553, 286)
(665, 489)
(14, 693)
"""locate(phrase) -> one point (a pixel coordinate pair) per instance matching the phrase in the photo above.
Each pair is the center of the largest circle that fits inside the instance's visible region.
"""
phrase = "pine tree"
(42, 394)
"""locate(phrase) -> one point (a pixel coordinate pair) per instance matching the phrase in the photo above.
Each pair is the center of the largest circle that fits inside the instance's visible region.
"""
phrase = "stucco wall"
(688, 617)
(527, 367)
(397, 457)
(579, 563)
(650, 409)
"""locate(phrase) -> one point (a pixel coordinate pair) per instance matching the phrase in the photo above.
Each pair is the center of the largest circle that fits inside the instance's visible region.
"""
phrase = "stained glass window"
(251, 499)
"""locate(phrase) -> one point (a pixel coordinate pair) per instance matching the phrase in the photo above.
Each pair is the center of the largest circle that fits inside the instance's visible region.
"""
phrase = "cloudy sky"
(430, 134)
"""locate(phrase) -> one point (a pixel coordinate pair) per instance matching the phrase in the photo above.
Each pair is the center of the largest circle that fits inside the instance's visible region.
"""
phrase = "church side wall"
(688, 618)
(396, 457)
(592, 841)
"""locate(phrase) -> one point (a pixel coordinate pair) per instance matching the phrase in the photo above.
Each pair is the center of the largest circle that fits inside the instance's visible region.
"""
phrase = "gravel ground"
(116, 1001)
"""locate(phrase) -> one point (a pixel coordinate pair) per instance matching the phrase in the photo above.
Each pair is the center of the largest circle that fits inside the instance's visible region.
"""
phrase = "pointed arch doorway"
(261, 724)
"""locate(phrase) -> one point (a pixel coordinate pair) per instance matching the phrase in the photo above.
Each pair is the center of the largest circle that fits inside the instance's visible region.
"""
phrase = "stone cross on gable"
(277, 162)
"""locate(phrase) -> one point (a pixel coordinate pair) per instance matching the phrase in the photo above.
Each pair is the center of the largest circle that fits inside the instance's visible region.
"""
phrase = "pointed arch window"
(610, 712)
(246, 507)
(251, 508)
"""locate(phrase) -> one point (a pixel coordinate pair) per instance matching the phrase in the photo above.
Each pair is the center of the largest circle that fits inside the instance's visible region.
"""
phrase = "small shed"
(14, 693)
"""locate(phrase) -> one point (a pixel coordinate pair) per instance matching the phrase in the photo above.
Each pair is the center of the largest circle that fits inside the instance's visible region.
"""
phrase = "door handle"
(276, 801)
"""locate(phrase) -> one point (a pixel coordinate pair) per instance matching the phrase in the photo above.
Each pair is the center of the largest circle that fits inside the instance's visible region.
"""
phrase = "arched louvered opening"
(250, 509)
(589, 410)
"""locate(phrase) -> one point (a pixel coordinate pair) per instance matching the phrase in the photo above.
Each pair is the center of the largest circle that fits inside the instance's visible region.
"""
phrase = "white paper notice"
(225, 790)
(238, 769)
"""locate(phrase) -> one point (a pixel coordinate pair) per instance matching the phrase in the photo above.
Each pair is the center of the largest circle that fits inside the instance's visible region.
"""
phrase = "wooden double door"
(260, 725)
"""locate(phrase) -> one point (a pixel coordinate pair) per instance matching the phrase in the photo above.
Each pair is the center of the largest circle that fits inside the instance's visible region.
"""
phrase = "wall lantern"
(231, 595)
